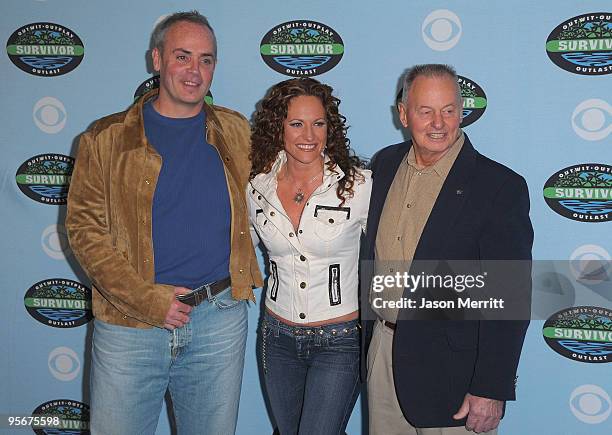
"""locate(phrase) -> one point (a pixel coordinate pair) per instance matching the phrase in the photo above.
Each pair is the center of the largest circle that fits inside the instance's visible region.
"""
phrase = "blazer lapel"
(448, 206)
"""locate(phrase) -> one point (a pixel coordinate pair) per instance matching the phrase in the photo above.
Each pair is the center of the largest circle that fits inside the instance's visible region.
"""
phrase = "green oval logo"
(301, 48)
(474, 100)
(45, 178)
(582, 192)
(583, 44)
(45, 49)
(59, 303)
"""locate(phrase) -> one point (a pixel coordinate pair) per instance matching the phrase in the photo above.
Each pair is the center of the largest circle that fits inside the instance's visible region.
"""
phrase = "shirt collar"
(265, 181)
(443, 166)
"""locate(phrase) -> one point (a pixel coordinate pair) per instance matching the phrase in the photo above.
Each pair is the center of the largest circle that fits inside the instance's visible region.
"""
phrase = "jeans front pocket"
(350, 342)
(225, 301)
(344, 337)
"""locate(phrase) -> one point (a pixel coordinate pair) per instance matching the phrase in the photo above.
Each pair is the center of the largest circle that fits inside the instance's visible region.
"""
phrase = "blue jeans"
(311, 375)
(200, 364)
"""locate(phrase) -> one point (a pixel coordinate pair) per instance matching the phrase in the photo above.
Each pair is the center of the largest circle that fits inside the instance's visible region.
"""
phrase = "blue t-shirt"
(191, 207)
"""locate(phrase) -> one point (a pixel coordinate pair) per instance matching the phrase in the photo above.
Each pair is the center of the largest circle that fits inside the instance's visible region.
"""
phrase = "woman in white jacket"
(308, 203)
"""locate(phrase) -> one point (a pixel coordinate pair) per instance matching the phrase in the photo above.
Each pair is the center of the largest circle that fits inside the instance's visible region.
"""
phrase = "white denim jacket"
(312, 272)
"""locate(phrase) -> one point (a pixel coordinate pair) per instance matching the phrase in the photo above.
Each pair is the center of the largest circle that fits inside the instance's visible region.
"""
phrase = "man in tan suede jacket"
(157, 219)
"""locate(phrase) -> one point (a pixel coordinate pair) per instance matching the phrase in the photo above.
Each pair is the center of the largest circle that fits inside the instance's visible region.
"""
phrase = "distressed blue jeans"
(200, 364)
(311, 375)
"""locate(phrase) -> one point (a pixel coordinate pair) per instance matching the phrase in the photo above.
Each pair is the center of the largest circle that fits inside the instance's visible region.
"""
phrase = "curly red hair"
(267, 131)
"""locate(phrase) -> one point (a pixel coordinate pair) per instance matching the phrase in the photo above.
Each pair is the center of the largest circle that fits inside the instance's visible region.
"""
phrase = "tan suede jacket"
(110, 206)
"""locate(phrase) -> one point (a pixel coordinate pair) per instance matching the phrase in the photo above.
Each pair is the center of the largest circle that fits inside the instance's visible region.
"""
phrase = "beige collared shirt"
(409, 202)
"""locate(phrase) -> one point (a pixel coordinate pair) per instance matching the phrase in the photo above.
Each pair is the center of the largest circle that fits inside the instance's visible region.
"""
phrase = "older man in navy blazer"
(437, 198)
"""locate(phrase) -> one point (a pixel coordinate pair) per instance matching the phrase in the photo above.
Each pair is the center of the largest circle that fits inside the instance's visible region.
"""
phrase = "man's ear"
(156, 56)
(403, 113)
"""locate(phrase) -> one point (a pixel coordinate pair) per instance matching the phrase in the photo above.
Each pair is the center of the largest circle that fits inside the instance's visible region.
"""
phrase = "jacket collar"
(449, 205)
(265, 183)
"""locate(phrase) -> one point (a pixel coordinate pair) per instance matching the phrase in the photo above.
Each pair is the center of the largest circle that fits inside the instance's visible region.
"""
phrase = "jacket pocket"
(329, 221)
(265, 228)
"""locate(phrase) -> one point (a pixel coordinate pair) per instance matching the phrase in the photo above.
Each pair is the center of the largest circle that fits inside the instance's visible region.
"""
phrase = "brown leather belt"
(389, 325)
(200, 294)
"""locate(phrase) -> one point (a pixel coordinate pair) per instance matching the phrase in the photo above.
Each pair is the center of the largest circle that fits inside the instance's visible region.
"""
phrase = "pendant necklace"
(299, 194)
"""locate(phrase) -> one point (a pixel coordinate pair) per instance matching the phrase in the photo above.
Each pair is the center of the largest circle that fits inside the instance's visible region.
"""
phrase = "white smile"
(306, 147)
(188, 83)
(436, 136)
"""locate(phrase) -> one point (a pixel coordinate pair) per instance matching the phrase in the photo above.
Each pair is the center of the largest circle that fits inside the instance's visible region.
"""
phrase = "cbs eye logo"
(592, 119)
(64, 364)
(49, 115)
(441, 30)
(591, 264)
(54, 242)
(590, 404)
(553, 291)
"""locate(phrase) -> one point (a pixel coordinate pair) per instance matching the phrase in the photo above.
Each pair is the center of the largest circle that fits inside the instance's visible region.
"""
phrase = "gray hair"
(428, 70)
(158, 36)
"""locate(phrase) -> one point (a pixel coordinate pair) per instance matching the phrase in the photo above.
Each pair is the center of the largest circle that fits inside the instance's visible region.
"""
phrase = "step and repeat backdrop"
(537, 84)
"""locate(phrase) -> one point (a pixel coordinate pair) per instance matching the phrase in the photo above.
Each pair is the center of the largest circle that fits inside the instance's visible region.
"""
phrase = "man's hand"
(482, 414)
(178, 314)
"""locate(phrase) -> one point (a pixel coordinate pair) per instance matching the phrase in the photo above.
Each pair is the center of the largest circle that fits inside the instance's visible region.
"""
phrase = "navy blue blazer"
(481, 213)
